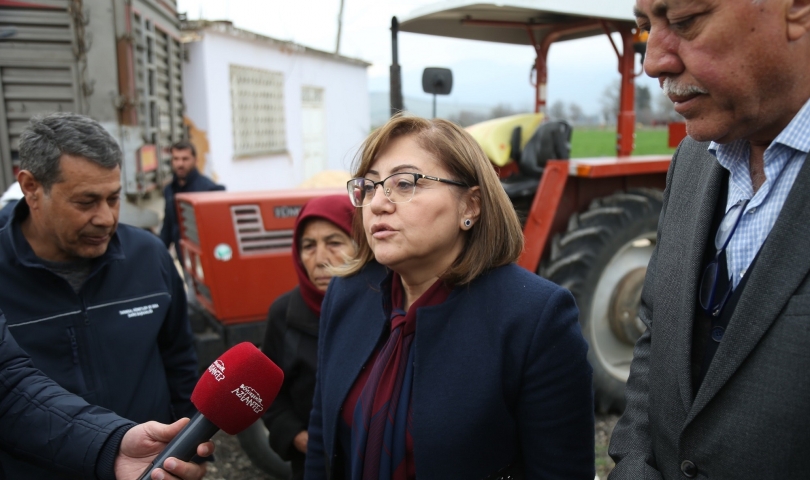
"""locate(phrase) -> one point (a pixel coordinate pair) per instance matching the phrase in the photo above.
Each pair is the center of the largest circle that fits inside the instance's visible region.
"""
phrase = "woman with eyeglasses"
(438, 356)
(321, 240)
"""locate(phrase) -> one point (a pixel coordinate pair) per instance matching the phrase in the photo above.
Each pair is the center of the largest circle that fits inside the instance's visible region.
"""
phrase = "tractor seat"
(551, 140)
(520, 186)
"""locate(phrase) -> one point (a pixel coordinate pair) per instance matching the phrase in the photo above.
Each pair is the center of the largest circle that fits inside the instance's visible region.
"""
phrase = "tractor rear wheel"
(602, 259)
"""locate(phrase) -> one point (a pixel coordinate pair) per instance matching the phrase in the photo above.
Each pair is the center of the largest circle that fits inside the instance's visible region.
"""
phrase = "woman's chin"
(321, 283)
(385, 260)
(387, 253)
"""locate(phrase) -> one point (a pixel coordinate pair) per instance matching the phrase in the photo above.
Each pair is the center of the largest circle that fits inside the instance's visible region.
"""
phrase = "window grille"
(257, 105)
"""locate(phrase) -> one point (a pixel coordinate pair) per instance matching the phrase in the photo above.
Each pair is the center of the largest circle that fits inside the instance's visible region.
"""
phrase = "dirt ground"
(604, 428)
(233, 464)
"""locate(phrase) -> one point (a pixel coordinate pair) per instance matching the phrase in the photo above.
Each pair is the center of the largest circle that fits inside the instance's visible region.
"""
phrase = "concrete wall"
(196, 106)
(206, 82)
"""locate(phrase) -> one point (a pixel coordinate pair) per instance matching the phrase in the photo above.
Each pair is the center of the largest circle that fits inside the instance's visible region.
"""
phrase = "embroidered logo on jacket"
(139, 311)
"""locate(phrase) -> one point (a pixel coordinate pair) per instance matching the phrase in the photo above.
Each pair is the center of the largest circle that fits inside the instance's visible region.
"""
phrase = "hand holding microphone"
(232, 394)
(143, 442)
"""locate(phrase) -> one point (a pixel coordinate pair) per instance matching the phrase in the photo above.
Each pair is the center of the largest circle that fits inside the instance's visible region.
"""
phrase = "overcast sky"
(484, 73)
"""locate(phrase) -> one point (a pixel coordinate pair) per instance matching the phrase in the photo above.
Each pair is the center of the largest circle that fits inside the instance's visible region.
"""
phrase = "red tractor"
(590, 224)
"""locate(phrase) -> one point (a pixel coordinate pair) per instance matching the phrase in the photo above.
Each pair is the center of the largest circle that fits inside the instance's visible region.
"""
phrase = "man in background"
(98, 306)
(186, 178)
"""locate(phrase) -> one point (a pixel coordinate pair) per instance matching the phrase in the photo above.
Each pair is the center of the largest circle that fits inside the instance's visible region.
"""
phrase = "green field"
(602, 142)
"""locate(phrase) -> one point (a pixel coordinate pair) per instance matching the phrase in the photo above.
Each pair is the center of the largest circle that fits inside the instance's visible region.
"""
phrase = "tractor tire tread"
(576, 254)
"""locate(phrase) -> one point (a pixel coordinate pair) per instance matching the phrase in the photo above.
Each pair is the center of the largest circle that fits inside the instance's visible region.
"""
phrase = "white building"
(269, 114)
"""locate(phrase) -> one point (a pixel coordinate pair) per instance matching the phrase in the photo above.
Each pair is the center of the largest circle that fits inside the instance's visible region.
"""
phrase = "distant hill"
(380, 104)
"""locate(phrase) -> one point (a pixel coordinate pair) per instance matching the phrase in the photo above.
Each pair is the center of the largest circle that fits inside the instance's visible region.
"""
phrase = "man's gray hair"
(47, 138)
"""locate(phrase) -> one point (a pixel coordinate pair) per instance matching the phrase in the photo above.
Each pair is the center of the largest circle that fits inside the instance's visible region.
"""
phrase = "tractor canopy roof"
(505, 21)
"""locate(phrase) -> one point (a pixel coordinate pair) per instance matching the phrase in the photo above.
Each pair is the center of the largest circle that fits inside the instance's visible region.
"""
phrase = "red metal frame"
(626, 121)
(677, 132)
(541, 72)
(542, 54)
(540, 62)
(557, 197)
(568, 187)
(544, 208)
(507, 170)
(606, 167)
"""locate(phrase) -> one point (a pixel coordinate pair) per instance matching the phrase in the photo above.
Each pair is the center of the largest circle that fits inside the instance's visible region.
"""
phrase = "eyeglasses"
(398, 188)
(711, 298)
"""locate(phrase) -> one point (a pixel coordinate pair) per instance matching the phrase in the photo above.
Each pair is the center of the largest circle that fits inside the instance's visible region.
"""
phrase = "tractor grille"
(251, 235)
(189, 221)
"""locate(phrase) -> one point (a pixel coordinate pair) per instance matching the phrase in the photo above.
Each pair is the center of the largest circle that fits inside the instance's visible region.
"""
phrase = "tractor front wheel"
(602, 259)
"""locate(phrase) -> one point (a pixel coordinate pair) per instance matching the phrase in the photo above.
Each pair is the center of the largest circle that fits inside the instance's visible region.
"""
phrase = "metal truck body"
(117, 61)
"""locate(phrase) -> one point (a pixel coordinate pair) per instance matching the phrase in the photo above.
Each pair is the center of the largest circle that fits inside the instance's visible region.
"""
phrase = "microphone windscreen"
(237, 388)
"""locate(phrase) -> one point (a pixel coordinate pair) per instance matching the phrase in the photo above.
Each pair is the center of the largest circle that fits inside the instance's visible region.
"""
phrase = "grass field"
(602, 142)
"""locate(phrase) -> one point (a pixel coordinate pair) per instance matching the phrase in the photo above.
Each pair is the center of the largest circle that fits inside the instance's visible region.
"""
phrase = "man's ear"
(31, 188)
(798, 19)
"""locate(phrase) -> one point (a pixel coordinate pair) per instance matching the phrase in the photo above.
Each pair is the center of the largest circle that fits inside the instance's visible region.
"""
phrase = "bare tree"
(557, 111)
(465, 118)
(610, 102)
(665, 110)
(643, 103)
(502, 110)
(643, 98)
(644, 113)
(575, 113)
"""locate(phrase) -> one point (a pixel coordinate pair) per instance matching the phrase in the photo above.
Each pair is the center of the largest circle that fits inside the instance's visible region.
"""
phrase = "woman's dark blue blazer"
(500, 374)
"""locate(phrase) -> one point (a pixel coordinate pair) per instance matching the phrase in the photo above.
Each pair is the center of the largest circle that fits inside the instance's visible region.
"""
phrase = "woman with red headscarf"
(321, 239)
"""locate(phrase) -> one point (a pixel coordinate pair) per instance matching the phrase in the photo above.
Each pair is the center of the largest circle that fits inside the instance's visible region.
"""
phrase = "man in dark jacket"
(43, 423)
(98, 306)
(186, 179)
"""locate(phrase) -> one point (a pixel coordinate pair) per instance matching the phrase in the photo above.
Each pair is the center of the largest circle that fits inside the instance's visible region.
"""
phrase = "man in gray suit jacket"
(719, 386)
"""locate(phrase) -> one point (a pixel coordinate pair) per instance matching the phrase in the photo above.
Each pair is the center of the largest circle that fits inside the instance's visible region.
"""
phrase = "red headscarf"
(337, 209)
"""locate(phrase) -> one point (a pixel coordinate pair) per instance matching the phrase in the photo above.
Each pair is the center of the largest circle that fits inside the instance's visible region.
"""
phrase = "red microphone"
(232, 394)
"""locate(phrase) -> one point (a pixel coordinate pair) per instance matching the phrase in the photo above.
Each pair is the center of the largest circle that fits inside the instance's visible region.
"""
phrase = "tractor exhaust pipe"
(395, 72)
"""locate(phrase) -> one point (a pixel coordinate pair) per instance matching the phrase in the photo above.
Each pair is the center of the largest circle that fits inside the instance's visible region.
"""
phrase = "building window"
(257, 108)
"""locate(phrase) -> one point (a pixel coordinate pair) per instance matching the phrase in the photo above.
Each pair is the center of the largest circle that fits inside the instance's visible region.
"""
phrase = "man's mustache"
(672, 88)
